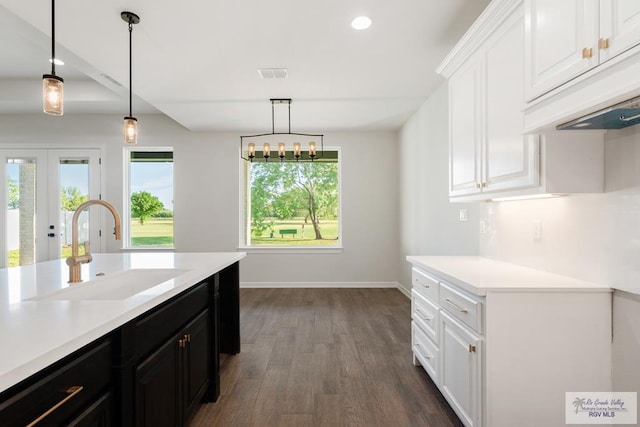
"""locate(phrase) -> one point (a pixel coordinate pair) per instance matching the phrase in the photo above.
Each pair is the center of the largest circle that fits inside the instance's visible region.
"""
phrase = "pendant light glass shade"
(130, 130)
(52, 85)
(52, 94)
(130, 122)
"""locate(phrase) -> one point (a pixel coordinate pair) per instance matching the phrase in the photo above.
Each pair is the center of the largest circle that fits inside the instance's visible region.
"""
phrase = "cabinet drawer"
(425, 314)
(426, 352)
(153, 329)
(66, 389)
(425, 285)
(462, 307)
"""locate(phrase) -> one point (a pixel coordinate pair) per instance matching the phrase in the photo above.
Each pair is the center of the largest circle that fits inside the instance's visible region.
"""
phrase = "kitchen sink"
(118, 286)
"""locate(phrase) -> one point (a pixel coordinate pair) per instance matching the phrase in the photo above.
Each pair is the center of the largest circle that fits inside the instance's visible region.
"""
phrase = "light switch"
(537, 229)
(464, 215)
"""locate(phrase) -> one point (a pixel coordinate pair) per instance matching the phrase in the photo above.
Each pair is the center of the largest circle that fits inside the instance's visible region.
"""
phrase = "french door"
(42, 188)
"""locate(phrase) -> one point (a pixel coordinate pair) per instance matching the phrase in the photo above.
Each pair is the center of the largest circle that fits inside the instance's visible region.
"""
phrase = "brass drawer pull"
(427, 355)
(72, 391)
(456, 306)
(422, 316)
(587, 53)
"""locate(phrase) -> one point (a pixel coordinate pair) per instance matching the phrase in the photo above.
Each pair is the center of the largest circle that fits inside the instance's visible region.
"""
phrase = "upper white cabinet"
(564, 39)
(488, 151)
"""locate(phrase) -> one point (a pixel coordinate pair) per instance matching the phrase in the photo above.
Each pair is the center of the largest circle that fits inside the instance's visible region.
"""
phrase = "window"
(150, 197)
(292, 204)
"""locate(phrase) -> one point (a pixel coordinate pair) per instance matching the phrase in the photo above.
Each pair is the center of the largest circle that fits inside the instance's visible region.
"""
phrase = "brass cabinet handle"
(427, 355)
(187, 338)
(456, 306)
(181, 343)
(422, 316)
(603, 43)
(478, 185)
(587, 52)
(420, 283)
(472, 348)
(71, 391)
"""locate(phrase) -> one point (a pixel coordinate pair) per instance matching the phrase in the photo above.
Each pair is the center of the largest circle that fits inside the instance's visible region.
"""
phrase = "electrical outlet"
(464, 215)
(537, 230)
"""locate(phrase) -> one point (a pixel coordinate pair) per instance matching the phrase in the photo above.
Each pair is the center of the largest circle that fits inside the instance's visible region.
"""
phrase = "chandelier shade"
(291, 146)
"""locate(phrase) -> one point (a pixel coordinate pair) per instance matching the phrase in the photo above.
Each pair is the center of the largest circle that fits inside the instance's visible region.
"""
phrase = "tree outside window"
(293, 204)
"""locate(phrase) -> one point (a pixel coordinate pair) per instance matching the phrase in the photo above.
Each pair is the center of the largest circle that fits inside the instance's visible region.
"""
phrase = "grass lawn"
(328, 228)
(154, 232)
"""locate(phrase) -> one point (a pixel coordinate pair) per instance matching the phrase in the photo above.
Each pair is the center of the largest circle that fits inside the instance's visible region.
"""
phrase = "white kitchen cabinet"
(488, 152)
(512, 340)
(568, 38)
(425, 323)
(460, 366)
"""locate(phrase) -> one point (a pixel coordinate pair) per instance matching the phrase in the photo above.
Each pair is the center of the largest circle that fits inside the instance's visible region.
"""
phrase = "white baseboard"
(406, 292)
(320, 285)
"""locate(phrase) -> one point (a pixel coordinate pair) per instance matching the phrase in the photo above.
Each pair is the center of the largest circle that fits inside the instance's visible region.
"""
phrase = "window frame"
(245, 218)
(126, 202)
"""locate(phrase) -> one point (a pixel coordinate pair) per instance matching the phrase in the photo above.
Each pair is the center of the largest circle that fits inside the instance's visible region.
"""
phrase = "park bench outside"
(291, 231)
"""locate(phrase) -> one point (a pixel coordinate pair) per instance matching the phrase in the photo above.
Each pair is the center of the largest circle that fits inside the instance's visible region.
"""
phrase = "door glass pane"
(21, 211)
(74, 190)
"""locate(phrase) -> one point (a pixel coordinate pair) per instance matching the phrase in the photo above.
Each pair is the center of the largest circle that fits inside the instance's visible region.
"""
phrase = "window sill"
(290, 250)
(149, 249)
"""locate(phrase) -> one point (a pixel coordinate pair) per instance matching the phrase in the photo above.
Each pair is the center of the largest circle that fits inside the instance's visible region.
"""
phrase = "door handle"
(51, 234)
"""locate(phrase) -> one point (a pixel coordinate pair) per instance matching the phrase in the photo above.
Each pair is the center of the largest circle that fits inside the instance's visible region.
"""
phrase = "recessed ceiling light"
(361, 23)
(56, 61)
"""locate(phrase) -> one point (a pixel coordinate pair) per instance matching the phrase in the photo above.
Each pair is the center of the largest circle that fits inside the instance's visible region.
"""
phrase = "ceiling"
(197, 63)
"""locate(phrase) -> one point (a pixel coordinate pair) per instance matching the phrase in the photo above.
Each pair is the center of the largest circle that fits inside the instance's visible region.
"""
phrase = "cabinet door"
(619, 25)
(195, 375)
(465, 129)
(556, 33)
(510, 159)
(460, 370)
(99, 414)
(157, 387)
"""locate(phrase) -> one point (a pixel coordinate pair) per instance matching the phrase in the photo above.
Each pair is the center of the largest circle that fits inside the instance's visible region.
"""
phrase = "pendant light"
(52, 85)
(130, 122)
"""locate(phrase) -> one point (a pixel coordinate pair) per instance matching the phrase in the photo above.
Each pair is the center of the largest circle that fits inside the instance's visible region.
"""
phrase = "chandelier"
(291, 146)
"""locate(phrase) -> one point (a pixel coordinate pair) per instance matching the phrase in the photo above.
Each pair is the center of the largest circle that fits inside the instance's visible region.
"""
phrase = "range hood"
(617, 116)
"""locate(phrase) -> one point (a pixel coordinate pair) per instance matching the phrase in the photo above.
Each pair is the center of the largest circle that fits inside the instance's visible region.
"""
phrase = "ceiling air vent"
(273, 73)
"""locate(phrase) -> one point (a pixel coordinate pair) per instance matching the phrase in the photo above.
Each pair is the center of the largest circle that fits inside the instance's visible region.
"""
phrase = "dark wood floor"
(325, 357)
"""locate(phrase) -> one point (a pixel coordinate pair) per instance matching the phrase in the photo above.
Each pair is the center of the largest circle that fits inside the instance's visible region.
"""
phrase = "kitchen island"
(46, 323)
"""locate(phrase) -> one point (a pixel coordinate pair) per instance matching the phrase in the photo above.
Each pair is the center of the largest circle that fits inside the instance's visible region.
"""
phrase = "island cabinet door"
(156, 384)
(195, 362)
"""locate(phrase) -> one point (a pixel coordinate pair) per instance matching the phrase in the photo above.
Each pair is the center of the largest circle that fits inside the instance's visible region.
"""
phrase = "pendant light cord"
(53, 37)
(130, 74)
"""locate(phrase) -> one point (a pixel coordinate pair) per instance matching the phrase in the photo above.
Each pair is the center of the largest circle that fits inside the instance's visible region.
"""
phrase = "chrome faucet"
(75, 260)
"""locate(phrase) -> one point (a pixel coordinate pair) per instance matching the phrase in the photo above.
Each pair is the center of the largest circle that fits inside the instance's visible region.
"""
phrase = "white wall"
(594, 237)
(207, 190)
(429, 224)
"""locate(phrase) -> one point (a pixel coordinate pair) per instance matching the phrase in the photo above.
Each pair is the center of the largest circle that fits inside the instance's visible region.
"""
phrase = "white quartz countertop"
(480, 275)
(36, 331)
